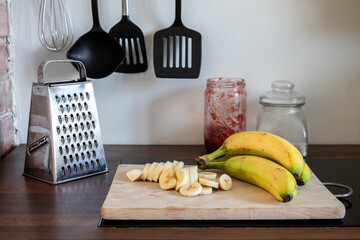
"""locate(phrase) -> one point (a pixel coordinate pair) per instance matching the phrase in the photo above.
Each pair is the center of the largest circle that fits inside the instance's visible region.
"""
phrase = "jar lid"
(282, 95)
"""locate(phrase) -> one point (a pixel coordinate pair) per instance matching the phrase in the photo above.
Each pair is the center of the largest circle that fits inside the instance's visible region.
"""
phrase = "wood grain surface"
(30, 209)
(144, 200)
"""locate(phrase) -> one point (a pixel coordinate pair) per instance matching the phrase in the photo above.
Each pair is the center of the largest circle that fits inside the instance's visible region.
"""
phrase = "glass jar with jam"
(225, 110)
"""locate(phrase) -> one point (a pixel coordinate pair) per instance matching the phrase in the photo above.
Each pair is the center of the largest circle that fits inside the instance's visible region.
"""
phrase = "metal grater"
(64, 141)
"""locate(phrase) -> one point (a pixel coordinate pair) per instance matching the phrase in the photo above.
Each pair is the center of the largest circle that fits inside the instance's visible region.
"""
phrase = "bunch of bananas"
(263, 159)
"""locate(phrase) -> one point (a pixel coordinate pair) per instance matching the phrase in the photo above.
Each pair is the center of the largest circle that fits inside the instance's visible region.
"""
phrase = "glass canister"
(225, 110)
(281, 114)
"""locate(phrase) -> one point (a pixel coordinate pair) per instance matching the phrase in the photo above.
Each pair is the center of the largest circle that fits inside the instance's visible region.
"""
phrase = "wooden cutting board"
(142, 200)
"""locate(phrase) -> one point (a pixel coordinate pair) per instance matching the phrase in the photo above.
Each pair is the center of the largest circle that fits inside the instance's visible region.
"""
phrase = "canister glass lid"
(282, 95)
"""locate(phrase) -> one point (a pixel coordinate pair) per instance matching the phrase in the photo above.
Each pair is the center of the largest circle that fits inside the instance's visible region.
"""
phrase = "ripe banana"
(261, 172)
(206, 190)
(225, 182)
(167, 179)
(193, 171)
(207, 175)
(182, 177)
(305, 176)
(151, 171)
(261, 144)
(209, 183)
(133, 174)
(157, 172)
(145, 171)
(191, 189)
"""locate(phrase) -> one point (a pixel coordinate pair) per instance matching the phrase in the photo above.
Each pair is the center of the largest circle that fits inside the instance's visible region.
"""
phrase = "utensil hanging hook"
(55, 29)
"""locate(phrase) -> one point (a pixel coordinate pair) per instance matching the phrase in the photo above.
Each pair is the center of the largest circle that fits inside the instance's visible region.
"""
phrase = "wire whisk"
(55, 26)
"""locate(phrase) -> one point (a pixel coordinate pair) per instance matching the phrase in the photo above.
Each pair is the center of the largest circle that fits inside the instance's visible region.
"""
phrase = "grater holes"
(88, 125)
(59, 119)
(96, 143)
(82, 126)
(77, 157)
(71, 158)
(86, 106)
(97, 162)
(78, 146)
(81, 96)
(61, 150)
(92, 134)
(57, 99)
(75, 167)
(62, 139)
(74, 137)
(66, 149)
(76, 127)
(72, 147)
(88, 154)
(86, 135)
(64, 129)
(70, 128)
(90, 144)
(67, 106)
(76, 97)
(92, 163)
(66, 118)
(65, 160)
(83, 115)
(78, 116)
(90, 115)
(82, 156)
(93, 124)
(58, 130)
(73, 107)
(62, 170)
(80, 106)
(86, 164)
(63, 99)
(69, 97)
(68, 138)
(80, 137)
(69, 168)
(72, 117)
(84, 145)
(87, 95)
(61, 108)
(93, 153)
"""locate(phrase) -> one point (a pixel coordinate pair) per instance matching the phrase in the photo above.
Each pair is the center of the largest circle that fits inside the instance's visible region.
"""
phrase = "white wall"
(314, 43)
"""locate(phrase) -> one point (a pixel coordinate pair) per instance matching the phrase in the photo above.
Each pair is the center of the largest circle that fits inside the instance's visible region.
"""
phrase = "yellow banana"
(259, 171)
(261, 144)
(305, 176)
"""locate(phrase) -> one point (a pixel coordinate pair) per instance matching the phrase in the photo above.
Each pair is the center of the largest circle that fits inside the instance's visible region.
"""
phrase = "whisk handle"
(80, 67)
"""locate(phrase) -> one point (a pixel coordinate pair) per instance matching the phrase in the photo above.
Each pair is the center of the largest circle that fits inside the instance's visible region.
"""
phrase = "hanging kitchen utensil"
(177, 50)
(64, 141)
(55, 28)
(97, 50)
(132, 40)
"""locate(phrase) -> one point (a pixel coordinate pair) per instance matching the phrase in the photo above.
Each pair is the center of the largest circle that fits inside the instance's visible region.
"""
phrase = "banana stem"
(205, 159)
(216, 165)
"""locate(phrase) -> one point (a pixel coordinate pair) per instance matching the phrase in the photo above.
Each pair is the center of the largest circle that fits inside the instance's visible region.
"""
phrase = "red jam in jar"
(225, 110)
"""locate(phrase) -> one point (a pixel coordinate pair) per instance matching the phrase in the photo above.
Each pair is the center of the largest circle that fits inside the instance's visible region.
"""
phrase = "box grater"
(64, 141)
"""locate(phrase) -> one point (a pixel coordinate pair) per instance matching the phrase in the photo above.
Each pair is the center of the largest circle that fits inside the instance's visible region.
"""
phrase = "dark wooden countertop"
(30, 209)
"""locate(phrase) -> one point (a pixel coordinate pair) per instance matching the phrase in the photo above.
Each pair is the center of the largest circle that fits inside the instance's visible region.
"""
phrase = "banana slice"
(193, 171)
(167, 179)
(145, 171)
(206, 190)
(157, 172)
(225, 182)
(182, 177)
(133, 174)
(191, 189)
(167, 164)
(207, 175)
(209, 183)
(151, 171)
(174, 164)
(180, 165)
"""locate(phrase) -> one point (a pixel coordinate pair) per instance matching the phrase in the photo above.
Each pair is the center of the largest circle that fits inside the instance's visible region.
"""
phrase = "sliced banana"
(193, 171)
(225, 182)
(206, 190)
(167, 164)
(182, 177)
(207, 175)
(180, 165)
(174, 164)
(133, 174)
(191, 189)
(145, 171)
(167, 179)
(151, 171)
(209, 183)
(157, 172)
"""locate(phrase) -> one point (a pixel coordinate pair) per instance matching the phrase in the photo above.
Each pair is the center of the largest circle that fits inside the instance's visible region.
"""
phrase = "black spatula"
(177, 50)
(97, 50)
(132, 40)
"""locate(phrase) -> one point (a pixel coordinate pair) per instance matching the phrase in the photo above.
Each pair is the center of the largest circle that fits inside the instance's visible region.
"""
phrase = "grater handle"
(80, 67)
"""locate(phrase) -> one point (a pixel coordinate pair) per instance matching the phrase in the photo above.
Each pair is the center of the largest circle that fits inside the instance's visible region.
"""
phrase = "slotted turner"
(132, 40)
(177, 50)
